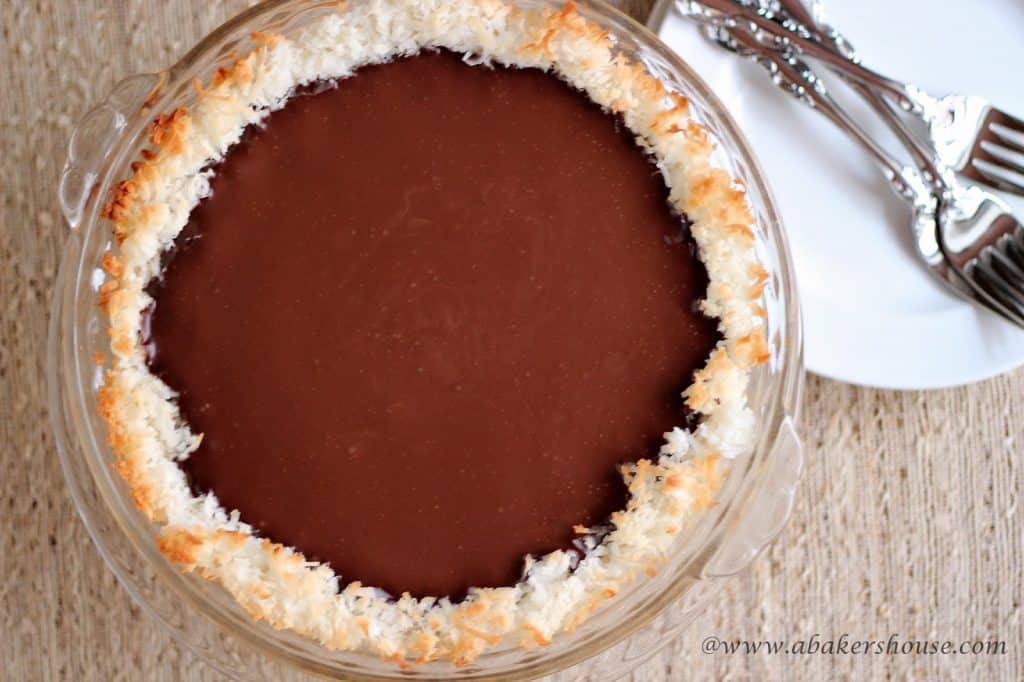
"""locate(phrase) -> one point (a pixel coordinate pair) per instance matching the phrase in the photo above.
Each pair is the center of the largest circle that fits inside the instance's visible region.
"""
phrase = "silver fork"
(978, 236)
(973, 213)
(986, 146)
(968, 134)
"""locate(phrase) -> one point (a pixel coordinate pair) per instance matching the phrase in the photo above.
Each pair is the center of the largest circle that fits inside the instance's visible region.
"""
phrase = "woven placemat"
(908, 521)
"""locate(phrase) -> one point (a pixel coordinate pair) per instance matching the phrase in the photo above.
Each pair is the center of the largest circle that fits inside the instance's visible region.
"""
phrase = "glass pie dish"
(753, 504)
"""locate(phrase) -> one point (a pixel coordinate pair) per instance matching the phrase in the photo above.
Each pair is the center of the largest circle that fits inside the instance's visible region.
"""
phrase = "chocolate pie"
(431, 327)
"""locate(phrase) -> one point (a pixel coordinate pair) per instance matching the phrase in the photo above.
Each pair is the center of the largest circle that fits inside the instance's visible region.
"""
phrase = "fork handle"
(907, 96)
(923, 154)
(799, 12)
(795, 77)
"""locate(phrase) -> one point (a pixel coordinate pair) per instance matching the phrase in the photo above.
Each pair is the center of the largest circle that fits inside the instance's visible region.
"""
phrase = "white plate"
(873, 315)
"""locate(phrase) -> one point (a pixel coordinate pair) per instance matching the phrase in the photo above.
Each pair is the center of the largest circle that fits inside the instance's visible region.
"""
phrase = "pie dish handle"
(95, 136)
(769, 510)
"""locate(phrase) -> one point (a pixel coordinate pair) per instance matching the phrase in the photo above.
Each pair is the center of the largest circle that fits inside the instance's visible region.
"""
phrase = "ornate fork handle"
(797, 17)
(795, 77)
(805, 20)
(964, 211)
(909, 97)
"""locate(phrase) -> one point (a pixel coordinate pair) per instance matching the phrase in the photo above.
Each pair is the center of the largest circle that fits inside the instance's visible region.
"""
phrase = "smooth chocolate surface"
(424, 316)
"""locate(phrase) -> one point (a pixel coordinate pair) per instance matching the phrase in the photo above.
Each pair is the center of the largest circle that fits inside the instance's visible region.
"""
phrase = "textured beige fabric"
(909, 519)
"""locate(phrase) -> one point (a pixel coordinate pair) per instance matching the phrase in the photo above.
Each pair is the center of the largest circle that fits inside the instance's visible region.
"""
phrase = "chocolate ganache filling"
(422, 319)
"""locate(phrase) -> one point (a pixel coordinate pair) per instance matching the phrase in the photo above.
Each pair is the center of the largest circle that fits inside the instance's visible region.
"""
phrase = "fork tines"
(998, 154)
(999, 271)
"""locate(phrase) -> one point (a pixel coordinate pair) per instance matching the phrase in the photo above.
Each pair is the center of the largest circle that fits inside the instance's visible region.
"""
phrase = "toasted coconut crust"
(277, 584)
